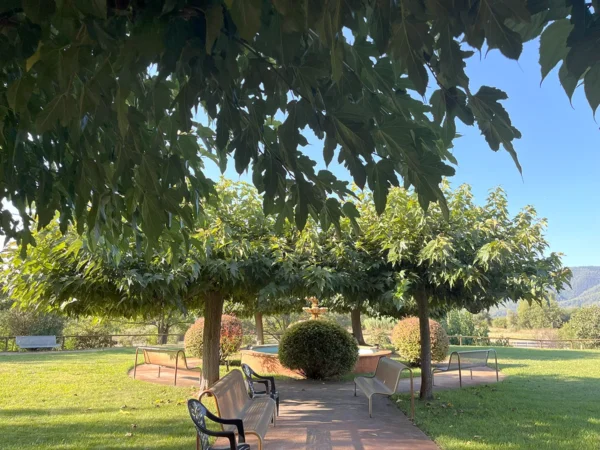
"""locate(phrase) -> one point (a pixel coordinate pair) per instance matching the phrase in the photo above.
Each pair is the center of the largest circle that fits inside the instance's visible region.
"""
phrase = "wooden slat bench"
(467, 360)
(165, 357)
(385, 382)
(232, 400)
(36, 341)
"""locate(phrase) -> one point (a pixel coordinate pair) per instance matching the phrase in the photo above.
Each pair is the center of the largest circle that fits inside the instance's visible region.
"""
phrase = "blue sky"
(560, 168)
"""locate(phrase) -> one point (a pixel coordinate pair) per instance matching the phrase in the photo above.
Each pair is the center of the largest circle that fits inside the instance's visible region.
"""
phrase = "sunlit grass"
(87, 401)
(550, 400)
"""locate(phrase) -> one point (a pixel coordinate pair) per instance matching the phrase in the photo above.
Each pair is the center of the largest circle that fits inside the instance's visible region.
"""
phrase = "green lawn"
(550, 400)
(87, 401)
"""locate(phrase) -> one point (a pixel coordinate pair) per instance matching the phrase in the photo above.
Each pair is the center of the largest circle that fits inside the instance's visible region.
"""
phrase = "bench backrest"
(36, 341)
(388, 372)
(165, 357)
(230, 395)
(473, 358)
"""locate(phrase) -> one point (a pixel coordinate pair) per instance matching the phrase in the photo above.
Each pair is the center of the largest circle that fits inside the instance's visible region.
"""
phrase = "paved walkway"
(326, 416)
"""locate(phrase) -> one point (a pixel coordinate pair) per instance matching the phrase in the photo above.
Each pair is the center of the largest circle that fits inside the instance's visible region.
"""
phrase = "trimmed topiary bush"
(231, 337)
(318, 349)
(406, 339)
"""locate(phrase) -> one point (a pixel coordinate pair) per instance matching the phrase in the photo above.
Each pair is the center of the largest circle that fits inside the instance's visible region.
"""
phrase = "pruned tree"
(97, 101)
(478, 258)
(229, 257)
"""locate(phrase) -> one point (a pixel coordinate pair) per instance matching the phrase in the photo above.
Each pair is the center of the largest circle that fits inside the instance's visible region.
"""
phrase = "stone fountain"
(315, 310)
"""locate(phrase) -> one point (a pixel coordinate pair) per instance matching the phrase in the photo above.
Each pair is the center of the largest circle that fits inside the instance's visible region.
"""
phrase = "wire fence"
(98, 341)
(519, 342)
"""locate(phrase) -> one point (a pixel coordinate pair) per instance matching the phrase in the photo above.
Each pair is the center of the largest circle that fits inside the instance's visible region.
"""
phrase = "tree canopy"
(97, 101)
(478, 258)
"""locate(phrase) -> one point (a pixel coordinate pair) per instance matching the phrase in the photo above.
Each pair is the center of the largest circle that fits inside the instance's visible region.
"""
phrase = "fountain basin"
(264, 359)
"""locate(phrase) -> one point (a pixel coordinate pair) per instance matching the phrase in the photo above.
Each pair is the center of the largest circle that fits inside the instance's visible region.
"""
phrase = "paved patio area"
(323, 416)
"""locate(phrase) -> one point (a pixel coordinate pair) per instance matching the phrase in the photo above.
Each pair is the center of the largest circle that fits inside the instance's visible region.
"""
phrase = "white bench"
(36, 342)
(467, 360)
(384, 382)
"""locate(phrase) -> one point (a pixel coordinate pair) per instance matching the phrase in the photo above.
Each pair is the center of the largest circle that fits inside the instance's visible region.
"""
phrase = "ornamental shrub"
(318, 349)
(584, 324)
(406, 338)
(231, 337)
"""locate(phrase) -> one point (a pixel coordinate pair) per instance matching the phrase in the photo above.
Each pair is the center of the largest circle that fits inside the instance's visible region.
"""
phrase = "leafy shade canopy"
(478, 258)
(229, 255)
(97, 100)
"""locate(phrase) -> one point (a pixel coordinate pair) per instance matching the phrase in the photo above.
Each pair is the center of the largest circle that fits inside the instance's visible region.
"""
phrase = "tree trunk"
(213, 310)
(357, 326)
(163, 330)
(426, 380)
(260, 334)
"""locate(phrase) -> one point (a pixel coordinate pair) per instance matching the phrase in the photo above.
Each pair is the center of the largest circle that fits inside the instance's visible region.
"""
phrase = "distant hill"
(585, 288)
(584, 291)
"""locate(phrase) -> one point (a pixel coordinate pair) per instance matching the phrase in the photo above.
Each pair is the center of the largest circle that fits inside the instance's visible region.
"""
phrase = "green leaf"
(19, 92)
(407, 44)
(592, 86)
(95, 8)
(553, 45)
(214, 23)
(122, 109)
(379, 23)
(52, 113)
(38, 11)
(337, 61)
(329, 148)
(568, 81)
(33, 58)
(381, 178)
(246, 16)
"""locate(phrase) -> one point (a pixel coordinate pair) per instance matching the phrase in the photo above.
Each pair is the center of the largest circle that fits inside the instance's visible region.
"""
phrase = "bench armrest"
(265, 380)
(237, 422)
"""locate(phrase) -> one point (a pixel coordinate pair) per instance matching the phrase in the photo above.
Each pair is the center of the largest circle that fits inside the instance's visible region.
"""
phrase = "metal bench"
(165, 357)
(385, 382)
(36, 342)
(467, 360)
(232, 401)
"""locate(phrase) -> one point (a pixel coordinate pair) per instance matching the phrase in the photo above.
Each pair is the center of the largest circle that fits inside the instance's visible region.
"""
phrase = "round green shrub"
(406, 338)
(318, 349)
(230, 342)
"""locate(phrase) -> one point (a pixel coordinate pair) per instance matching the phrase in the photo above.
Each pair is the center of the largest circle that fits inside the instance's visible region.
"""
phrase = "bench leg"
(371, 406)
(459, 377)
(355, 388)
(471, 373)
(158, 371)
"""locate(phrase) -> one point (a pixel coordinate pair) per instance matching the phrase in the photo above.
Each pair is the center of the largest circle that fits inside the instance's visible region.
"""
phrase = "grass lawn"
(550, 400)
(86, 401)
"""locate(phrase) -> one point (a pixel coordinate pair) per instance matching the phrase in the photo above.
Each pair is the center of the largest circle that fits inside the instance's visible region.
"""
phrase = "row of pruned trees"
(402, 261)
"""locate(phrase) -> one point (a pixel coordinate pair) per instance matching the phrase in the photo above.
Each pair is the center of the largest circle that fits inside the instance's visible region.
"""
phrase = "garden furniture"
(165, 357)
(384, 382)
(199, 414)
(232, 402)
(252, 377)
(467, 360)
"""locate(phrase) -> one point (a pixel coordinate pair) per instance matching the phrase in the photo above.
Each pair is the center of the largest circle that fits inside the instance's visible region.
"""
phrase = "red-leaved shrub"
(231, 337)
(406, 338)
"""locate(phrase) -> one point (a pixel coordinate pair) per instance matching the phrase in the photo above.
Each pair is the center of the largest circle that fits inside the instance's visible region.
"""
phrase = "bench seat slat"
(256, 416)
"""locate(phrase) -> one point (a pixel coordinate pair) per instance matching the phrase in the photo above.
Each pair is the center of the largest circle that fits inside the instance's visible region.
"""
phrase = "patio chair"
(199, 413)
(252, 377)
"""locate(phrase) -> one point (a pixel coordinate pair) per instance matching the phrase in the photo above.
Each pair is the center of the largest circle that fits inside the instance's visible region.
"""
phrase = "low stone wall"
(269, 363)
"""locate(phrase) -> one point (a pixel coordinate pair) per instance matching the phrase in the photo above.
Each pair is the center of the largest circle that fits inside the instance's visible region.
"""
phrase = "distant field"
(542, 333)
(550, 400)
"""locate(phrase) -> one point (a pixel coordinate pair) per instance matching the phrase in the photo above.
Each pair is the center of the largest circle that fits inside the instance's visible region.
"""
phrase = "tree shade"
(97, 101)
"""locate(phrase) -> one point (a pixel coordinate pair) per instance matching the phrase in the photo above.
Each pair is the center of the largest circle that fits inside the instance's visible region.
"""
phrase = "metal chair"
(252, 377)
(199, 413)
